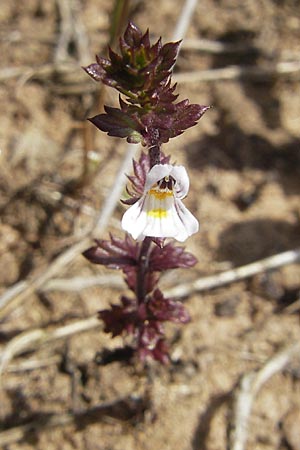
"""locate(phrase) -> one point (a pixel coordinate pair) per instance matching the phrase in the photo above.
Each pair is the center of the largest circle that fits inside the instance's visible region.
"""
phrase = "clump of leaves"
(148, 113)
(143, 318)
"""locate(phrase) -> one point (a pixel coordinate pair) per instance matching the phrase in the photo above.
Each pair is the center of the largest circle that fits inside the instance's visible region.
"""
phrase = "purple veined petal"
(182, 185)
(190, 224)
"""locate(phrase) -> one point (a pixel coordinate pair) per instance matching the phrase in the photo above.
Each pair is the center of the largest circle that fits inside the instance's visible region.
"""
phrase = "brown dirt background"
(243, 159)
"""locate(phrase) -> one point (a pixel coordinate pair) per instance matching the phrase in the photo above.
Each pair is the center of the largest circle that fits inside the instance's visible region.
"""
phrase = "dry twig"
(42, 72)
(72, 31)
(184, 20)
(34, 364)
(240, 273)
(217, 47)
(30, 340)
(77, 284)
(247, 390)
(268, 72)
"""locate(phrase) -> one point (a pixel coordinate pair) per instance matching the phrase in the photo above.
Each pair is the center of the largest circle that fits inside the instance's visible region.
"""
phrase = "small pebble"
(227, 307)
(291, 428)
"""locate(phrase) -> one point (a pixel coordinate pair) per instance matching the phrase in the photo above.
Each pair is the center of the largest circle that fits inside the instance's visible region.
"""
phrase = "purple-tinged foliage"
(142, 320)
(149, 126)
(166, 309)
(124, 254)
(119, 123)
(159, 126)
(115, 254)
(158, 350)
(142, 73)
(120, 318)
(140, 170)
(139, 68)
(145, 322)
(150, 279)
(170, 257)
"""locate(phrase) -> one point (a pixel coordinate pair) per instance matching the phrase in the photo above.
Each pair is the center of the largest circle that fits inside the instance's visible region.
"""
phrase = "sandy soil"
(243, 158)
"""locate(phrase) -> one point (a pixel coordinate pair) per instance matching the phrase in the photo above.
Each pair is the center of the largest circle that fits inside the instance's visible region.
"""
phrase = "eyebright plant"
(148, 114)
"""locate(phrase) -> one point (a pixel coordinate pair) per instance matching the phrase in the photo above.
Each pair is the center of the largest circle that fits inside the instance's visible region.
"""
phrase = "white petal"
(189, 222)
(157, 173)
(134, 220)
(182, 181)
(159, 212)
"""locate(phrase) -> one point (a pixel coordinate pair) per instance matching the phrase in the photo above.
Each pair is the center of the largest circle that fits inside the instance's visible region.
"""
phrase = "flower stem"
(143, 263)
(154, 155)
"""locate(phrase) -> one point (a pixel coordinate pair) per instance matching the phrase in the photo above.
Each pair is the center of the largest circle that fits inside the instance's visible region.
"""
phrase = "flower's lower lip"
(158, 213)
(160, 194)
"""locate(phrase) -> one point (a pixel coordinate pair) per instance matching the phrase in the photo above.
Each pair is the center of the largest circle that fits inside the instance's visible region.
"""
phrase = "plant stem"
(143, 263)
(141, 282)
(154, 155)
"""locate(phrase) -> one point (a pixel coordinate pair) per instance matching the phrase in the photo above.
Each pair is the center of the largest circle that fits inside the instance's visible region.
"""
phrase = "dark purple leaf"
(119, 124)
(160, 126)
(120, 318)
(149, 333)
(95, 71)
(166, 309)
(116, 253)
(169, 54)
(132, 35)
(170, 257)
(150, 279)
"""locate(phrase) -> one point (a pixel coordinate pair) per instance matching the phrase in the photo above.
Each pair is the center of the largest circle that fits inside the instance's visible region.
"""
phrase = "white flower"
(160, 211)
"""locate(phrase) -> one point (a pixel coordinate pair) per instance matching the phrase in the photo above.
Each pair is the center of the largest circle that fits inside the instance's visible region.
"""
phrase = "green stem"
(120, 15)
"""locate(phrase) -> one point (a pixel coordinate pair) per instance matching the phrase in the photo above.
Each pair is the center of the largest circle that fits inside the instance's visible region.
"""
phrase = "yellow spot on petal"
(158, 213)
(160, 195)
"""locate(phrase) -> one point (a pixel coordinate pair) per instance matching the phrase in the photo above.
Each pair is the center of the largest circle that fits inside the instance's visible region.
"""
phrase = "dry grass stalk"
(248, 388)
(31, 340)
(234, 275)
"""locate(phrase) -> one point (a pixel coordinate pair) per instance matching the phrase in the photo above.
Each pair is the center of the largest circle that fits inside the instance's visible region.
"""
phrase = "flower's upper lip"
(157, 173)
(179, 174)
